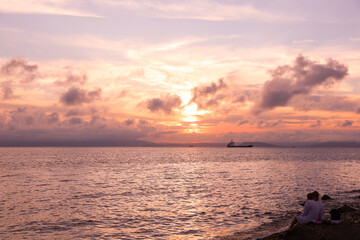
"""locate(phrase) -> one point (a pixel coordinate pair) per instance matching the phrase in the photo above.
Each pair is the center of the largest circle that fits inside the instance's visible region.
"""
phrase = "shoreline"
(349, 228)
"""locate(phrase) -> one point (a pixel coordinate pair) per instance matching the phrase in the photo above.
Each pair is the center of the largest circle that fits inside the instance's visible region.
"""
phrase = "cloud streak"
(56, 7)
(331, 103)
(202, 9)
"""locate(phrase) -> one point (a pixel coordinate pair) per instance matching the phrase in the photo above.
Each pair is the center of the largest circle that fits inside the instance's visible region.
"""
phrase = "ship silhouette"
(232, 144)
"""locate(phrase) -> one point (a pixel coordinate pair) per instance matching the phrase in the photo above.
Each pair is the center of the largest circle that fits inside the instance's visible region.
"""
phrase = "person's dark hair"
(316, 195)
(310, 196)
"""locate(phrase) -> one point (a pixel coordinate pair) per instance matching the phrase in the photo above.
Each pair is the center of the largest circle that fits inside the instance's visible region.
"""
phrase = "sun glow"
(190, 113)
(190, 119)
(191, 110)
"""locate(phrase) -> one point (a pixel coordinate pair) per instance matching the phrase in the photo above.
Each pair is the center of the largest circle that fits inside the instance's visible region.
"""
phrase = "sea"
(163, 192)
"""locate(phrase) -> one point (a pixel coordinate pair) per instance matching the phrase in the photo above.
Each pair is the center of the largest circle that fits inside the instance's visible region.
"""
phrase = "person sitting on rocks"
(321, 206)
(311, 212)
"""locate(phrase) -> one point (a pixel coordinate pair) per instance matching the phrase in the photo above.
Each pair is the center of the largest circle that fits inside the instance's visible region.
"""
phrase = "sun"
(191, 113)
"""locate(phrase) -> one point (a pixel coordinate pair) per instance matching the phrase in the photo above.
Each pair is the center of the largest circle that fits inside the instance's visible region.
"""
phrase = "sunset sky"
(179, 71)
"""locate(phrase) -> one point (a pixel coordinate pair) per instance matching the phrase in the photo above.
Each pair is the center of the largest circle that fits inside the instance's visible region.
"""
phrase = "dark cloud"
(30, 126)
(268, 124)
(243, 122)
(129, 122)
(145, 127)
(53, 118)
(2, 120)
(19, 110)
(98, 121)
(215, 101)
(72, 112)
(327, 103)
(16, 70)
(142, 122)
(26, 118)
(123, 93)
(274, 124)
(75, 121)
(161, 134)
(72, 78)
(317, 124)
(81, 112)
(7, 92)
(71, 137)
(239, 99)
(346, 123)
(22, 118)
(206, 90)
(19, 117)
(29, 120)
(166, 103)
(77, 96)
(299, 79)
(21, 69)
(208, 96)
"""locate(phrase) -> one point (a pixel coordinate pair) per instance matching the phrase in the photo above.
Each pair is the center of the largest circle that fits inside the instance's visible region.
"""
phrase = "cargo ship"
(232, 144)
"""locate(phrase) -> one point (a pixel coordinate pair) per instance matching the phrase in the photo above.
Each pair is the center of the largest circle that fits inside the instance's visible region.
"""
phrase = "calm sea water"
(161, 193)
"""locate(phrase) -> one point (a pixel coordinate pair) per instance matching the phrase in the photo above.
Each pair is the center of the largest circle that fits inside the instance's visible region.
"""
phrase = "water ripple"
(162, 193)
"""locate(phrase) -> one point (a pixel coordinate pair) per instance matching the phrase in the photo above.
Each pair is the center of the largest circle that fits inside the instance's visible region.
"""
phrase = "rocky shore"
(348, 228)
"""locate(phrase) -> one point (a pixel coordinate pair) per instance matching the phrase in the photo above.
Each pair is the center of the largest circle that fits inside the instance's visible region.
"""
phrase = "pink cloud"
(208, 96)
(165, 103)
(20, 69)
(77, 96)
(299, 79)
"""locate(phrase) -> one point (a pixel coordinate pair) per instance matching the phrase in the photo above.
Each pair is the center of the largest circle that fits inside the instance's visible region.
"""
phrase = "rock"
(326, 197)
(348, 227)
(318, 232)
(351, 218)
(337, 212)
(346, 209)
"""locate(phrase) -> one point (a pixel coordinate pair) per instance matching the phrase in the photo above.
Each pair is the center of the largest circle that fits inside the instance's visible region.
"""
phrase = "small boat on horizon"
(232, 144)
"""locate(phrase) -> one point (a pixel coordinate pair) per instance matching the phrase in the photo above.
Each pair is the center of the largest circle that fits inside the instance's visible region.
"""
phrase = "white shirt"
(321, 206)
(313, 210)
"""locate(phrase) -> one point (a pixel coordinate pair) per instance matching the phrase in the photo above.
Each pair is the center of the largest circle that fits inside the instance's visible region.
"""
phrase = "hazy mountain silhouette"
(74, 143)
(260, 144)
(334, 144)
(136, 143)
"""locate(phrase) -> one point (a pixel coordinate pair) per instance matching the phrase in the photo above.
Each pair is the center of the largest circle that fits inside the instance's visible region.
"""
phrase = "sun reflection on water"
(161, 193)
